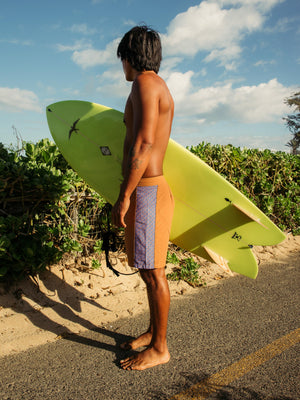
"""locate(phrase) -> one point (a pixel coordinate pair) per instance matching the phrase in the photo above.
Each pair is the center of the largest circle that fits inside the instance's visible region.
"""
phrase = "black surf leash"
(110, 242)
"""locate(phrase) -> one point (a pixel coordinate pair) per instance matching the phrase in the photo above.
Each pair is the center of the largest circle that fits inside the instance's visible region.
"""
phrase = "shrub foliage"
(270, 180)
(47, 210)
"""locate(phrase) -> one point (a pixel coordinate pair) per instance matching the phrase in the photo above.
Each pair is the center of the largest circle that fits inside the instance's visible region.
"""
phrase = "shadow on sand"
(68, 308)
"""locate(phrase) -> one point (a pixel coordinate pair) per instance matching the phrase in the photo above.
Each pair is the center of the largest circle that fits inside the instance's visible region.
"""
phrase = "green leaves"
(46, 210)
(270, 180)
(98, 246)
(186, 270)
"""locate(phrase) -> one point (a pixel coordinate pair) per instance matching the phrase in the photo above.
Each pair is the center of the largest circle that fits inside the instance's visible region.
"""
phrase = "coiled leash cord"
(110, 241)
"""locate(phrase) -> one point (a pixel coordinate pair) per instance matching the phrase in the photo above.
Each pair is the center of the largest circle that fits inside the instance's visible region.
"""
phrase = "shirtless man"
(145, 204)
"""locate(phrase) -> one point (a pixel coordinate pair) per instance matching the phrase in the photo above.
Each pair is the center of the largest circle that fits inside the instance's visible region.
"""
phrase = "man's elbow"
(146, 146)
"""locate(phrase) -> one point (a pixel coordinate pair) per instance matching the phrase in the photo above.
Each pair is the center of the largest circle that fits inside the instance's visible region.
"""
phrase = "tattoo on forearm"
(135, 164)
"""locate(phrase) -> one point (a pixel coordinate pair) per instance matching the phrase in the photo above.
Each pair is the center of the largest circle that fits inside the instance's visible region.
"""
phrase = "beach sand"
(72, 297)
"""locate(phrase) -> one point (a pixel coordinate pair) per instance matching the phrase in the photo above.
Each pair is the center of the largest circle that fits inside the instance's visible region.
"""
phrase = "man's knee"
(153, 277)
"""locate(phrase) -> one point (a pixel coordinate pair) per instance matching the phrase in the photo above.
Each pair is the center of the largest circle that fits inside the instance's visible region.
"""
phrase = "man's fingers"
(118, 221)
(123, 225)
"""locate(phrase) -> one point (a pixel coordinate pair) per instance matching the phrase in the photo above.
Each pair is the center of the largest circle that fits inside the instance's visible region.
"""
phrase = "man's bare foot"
(141, 341)
(146, 359)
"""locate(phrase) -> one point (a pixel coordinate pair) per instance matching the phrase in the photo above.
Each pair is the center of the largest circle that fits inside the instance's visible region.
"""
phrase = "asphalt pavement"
(235, 340)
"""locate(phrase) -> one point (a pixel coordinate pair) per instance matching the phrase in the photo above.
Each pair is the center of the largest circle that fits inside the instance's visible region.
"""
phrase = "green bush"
(186, 270)
(46, 210)
(269, 179)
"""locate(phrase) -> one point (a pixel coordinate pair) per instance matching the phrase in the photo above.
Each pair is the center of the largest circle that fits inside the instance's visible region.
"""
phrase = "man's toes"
(126, 363)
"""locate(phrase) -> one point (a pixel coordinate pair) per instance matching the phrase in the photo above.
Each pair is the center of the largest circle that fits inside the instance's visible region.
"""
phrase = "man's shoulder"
(149, 81)
(149, 77)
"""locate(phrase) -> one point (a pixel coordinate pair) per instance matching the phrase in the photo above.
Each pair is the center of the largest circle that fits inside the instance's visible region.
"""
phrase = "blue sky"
(228, 63)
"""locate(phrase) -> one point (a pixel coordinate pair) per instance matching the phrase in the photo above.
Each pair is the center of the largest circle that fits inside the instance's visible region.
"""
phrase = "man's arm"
(145, 107)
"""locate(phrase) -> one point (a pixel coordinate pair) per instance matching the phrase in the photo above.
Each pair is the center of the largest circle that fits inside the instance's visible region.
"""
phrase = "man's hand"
(119, 211)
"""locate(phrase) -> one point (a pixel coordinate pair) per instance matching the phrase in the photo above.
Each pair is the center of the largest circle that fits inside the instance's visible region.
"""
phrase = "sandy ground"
(73, 297)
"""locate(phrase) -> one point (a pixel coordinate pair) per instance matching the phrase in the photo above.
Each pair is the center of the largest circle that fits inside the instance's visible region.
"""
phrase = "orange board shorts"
(148, 223)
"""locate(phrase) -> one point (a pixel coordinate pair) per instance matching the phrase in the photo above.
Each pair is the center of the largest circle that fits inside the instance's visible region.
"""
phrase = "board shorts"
(148, 223)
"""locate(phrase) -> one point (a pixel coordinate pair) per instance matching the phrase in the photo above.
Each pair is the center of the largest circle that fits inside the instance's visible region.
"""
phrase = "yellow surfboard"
(212, 218)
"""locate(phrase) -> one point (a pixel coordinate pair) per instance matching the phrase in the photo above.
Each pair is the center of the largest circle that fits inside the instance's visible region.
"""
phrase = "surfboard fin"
(218, 260)
(249, 215)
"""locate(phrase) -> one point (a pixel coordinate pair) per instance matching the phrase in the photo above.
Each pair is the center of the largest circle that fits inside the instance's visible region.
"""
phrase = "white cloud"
(15, 100)
(113, 84)
(71, 92)
(264, 5)
(82, 29)
(17, 42)
(91, 57)
(261, 103)
(247, 104)
(282, 25)
(180, 85)
(210, 27)
(168, 65)
(129, 22)
(77, 46)
(225, 56)
(263, 63)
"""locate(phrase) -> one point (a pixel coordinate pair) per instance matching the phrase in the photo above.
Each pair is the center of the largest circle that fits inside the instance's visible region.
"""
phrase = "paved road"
(236, 340)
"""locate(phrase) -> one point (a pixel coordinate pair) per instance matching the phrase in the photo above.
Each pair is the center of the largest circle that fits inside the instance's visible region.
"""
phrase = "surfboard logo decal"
(73, 128)
(105, 151)
(236, 236)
